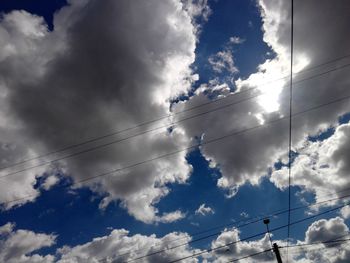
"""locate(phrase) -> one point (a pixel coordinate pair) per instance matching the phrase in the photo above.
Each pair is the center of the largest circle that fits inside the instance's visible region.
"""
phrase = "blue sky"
(87, 69)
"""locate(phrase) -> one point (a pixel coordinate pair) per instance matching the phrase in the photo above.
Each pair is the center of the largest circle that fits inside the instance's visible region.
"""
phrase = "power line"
(211, 141)
(247, 221)
(257, 219)
(290, 119)
(161, 118)
(154, 129)
(317, 243)
(251, 255)
(259, 234)
(292, 246)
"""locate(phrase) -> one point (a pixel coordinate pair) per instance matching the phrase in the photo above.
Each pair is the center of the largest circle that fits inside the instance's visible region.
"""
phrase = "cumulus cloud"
(171, 217)
(104, 67)
(247, 157)
(20, 245)
(321, 166)
(118, 246)
(236, 40)
(345, 212)
(198, 8)
(204, 210)
(223, 61)
(240, 249)
(321, 231)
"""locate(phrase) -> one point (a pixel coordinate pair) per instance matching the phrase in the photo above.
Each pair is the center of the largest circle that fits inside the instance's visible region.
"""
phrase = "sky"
(158, 131)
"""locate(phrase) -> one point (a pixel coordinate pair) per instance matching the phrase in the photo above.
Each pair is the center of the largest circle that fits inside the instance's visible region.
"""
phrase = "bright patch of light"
(301, 61)
(269, 100)
(260, 118)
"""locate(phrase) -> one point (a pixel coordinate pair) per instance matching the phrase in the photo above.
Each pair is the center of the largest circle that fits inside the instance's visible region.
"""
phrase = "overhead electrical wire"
(210, 250)
(290, 118)
(157, 128)
(63, 149)
(336, 242)
(317, 243)
(331, 242)
(246, 222)
(250, 255)
(211, 141)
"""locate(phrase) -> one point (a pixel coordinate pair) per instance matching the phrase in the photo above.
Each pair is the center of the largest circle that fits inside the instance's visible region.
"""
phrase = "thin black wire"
(317, 243)
(259, 234)
(257, 219)
(163, 117)
(200, 238)
(251, 255)
(247, 220)
(160, 127)
(290, 118)
(338, 242)
(235, 133)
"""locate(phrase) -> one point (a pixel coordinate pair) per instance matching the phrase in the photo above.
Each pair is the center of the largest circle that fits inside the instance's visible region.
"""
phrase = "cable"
(317, 243)
(291, 246)
(154, 129)
(165, 116)
(290, 119)
(251, 255)
(257, 219)
(214, 140)
(257, 235)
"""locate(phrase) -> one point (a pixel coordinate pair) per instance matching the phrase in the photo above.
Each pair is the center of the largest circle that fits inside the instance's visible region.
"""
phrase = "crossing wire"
(290, 119)
(94, 139)
(210, 250)
(248, 220)
(158, 128)
(336, 242)
(211, 141)
(246, 223)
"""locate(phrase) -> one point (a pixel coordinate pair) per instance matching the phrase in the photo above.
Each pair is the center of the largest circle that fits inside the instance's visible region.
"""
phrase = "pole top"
(266, 221)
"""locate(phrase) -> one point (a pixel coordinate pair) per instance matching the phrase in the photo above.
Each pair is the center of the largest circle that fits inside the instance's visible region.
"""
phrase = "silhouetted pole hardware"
(266, 222)
(274, 245)
(277, 252)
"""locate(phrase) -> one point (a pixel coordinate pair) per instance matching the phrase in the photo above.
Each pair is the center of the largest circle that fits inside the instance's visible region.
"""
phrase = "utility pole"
(274, 245)
(277, 252)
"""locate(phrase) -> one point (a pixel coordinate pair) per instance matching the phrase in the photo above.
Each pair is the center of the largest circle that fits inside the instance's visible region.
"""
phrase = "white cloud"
(198, 8)
(240, 249)
(321, 166)
(324, 230)
(222, 61)
(236, 40)
(119, 245)
(20, 245)
(204, 210)
(244, 214)
(49, 182)
(247, 157)
(98, 71)
(319, 231)
(171, 217)
(118, 242)
(345, 212)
